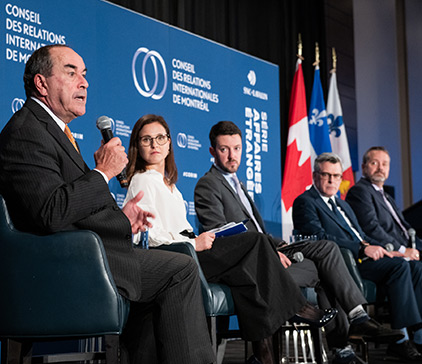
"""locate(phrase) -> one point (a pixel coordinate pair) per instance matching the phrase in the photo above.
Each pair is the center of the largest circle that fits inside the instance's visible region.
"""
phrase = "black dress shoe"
(346, 355)
(371, 330)
(417, 346)
(405, 351)
(314, 316)
(253, 360)
(263, 352)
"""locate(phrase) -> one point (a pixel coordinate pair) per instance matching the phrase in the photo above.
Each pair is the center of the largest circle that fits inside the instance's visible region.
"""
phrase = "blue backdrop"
(137, 65)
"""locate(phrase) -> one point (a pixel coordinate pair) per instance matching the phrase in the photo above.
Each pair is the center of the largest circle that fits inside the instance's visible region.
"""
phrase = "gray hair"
(327, 157)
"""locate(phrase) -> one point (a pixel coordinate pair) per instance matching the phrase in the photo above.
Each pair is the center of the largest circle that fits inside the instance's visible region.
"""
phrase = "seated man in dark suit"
(318, 211)
(376, 210)
(220, 198)
(49, 188)
(379, 215)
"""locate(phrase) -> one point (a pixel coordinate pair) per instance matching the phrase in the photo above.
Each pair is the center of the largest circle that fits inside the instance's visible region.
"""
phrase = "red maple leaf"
(296, 178)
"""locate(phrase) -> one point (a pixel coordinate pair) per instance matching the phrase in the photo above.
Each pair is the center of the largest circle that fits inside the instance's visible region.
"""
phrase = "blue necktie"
(342, 220)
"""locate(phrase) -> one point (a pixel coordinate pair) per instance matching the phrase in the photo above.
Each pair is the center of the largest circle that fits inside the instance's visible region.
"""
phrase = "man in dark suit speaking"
(220, 199)
(318, 211)
(48, 188)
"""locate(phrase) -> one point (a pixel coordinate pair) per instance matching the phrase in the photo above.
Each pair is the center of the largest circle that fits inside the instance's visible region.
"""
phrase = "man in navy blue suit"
(319, 212)
(376, 210)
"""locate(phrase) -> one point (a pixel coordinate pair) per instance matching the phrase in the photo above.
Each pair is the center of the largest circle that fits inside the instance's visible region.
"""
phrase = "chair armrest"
(368, 288)
(57, 285)
(351, 265)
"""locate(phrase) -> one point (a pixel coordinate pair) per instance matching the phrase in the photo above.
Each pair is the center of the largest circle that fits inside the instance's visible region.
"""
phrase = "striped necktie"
(245, 201)
(71, 138)
(394, 214)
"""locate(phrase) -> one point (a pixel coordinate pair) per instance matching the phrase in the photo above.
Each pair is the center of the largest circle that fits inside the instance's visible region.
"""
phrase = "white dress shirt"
(167, 206)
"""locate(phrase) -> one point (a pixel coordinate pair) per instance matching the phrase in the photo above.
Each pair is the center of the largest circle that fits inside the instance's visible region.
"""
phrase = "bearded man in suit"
(318, 211)
(377, 211)
(220, 199)
(48, 188)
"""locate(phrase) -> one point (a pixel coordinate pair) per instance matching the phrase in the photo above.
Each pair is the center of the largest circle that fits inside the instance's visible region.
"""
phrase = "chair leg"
(16, 352)
(112, 349)
(212, 326)
(221, 350)
(317, 339)
(276, 345)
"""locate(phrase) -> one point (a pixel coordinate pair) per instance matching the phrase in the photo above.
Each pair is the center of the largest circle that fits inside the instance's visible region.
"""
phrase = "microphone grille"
(298, 256)
(389, 247)
(103, 122)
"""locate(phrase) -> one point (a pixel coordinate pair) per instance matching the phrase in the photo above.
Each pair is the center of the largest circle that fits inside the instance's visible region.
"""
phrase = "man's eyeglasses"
(161, 139)
(326, 175)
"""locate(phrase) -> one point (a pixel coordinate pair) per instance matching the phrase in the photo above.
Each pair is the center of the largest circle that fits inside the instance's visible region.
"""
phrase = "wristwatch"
(363, 245)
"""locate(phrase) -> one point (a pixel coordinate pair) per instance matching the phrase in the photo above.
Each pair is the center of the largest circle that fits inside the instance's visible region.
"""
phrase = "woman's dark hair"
(137, 163)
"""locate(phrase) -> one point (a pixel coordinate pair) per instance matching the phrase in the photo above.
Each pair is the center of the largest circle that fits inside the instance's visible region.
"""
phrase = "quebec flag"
(338, 136)
(319, 132)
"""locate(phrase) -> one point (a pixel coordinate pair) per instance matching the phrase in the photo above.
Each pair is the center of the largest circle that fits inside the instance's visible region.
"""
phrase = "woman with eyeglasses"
(152, 169)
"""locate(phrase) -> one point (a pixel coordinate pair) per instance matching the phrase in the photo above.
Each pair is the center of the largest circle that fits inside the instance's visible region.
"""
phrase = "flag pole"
(299, 47)
(316, 63)
(334, 61)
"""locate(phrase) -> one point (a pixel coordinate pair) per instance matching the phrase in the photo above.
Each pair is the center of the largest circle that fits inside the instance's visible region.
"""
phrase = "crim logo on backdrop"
(149, 73)
(182, 140)
(17, 104)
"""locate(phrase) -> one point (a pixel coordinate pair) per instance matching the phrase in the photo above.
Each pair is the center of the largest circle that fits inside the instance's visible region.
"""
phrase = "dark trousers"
(402, 281)
(264, 294)
(168, 321)
(325, 270)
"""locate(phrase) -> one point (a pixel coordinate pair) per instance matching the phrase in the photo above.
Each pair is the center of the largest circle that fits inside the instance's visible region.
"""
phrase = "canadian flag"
(338, 136)
(297, 168)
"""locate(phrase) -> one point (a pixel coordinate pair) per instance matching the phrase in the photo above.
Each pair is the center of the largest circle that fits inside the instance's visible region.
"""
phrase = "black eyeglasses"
(326, 175)
(161, 139)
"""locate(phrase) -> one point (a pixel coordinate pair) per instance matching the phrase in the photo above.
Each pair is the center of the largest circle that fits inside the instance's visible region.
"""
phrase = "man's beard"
(225, 169)
(378, 178)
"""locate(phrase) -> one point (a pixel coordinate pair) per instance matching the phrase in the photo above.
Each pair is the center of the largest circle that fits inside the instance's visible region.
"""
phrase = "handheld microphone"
(296, 257)
(104, 125)
(389, 247)
(412, 235)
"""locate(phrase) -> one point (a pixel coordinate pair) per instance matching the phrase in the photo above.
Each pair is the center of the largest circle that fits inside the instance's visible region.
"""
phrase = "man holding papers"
(220, 198)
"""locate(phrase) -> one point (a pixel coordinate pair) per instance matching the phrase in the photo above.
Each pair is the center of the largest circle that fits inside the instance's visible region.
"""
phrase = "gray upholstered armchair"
(55, 287)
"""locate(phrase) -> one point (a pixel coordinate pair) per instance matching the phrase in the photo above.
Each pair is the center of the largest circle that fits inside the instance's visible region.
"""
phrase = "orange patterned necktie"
(71, 138)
